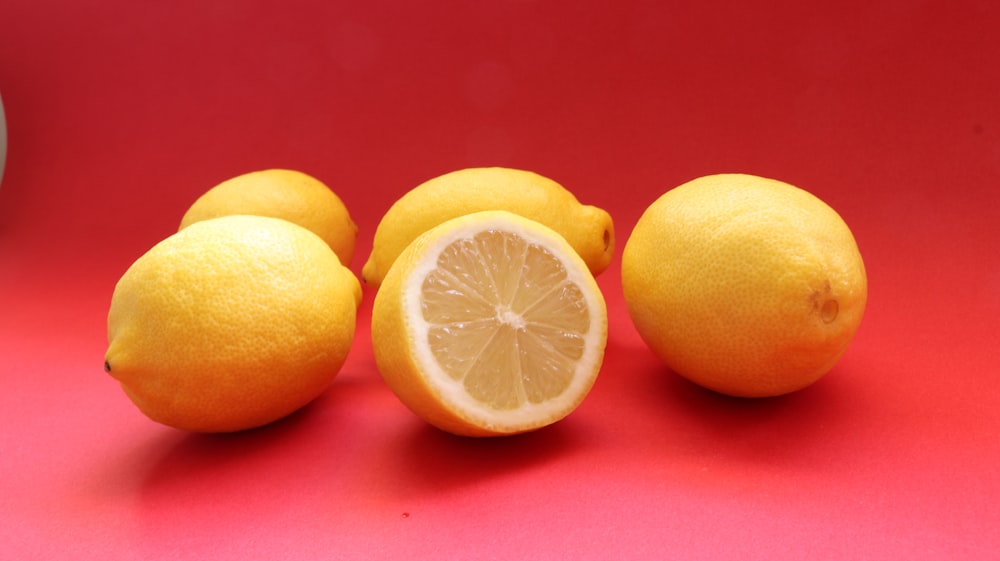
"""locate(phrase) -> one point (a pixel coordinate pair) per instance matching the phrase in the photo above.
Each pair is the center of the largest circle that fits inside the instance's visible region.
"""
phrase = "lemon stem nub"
(829, 311)
(107, 367)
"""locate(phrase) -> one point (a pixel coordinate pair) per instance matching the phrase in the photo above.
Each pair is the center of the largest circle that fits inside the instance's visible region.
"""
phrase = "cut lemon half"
(489, 324)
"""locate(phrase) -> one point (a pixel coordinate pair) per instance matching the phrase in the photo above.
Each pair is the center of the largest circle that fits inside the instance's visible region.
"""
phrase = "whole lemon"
(231, 323)
(745, 285)
(281, 193)
(588, 229)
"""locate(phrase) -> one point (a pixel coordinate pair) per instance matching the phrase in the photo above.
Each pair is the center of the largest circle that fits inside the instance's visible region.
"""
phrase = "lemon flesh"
(511, 332)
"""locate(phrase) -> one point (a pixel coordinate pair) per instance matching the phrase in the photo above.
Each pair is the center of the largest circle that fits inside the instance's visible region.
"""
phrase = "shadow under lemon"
(422, 460)
(193, 457)
(315, 444)
(810, 428)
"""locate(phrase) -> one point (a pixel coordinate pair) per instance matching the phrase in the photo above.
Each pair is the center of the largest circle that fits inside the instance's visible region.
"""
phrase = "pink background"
(121, 113)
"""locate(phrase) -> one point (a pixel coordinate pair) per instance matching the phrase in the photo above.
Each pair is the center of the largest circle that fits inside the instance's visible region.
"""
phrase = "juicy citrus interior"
(504, 324)
(510, 331)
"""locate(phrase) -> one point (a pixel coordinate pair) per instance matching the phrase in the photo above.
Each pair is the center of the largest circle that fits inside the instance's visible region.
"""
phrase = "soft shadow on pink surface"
(300, 447)
(193, 456)
(421, 459)
(159, 477)
(687, 424)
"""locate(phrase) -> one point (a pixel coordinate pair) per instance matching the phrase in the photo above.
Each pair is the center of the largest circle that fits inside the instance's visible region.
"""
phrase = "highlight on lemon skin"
(489, 324)
(588, 229)
(745, 285)
(230, 324)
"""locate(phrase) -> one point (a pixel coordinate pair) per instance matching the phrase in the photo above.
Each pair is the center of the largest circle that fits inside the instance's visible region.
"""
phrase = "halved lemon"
(489, 324)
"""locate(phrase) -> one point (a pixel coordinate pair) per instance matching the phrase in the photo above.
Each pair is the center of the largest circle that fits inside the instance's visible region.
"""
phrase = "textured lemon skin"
(231, 323)
(588, 229)
(394, 338)
(745, 285)
(281, 193)
(393, 342)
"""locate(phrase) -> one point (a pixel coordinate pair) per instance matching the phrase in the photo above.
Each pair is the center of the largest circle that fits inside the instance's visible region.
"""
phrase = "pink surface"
(121, 113)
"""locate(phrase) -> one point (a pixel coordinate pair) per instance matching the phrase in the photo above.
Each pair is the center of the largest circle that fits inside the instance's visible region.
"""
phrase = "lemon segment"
(489, 324)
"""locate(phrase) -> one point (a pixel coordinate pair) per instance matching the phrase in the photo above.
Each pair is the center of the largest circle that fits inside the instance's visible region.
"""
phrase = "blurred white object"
(3, 139)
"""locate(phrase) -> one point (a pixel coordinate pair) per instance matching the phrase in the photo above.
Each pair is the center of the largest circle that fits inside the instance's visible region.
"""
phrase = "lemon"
(231, 323)
(588, 229)
(281, 193)
(489, 324)
(745, 285)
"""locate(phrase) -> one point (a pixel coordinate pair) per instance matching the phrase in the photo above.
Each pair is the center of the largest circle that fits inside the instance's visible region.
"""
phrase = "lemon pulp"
(504, 320)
